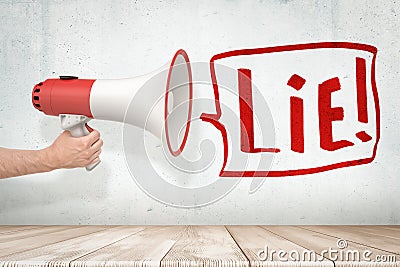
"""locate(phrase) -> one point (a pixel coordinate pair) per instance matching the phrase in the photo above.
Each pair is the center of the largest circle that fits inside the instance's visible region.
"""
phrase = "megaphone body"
(153, 97)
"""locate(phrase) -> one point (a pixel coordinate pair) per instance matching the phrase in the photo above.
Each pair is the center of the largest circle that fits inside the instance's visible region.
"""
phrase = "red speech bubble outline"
(213, 118)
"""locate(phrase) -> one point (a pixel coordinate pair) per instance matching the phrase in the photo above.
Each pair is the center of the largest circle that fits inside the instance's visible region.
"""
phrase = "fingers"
(72, 152)
(95, 156)
(95, 150)
(93, 143)
(91, 138)
(94, 161)
(96, 146)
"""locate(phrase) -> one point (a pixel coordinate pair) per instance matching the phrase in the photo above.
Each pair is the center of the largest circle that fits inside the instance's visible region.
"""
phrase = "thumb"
(66, 133)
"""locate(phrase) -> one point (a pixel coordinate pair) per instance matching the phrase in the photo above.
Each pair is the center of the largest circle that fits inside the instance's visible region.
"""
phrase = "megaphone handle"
(82, 130)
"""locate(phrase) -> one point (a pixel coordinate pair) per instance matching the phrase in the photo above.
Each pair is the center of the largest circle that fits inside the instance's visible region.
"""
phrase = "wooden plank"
(205, 246)
(15, 235)
(386, 243)
(179, 246)
(375, 230)
(318, 242)
(19, 245)
(10, 229)
(62, 253)
(253, 239)
(392, 227)
(145, 248)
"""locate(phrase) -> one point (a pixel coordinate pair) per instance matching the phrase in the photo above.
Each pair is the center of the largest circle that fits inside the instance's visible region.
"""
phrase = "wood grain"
(387, 243)
(210, 246)
(392, 227)
(145, 248)
(375, 230)
(192, 246)
(319, 242)
(16, 235)
(62, 253)
(35, 241)
(252, 239)
(9, 229)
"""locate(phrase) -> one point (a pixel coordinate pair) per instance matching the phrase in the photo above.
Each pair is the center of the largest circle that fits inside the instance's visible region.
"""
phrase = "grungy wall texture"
(113, 39)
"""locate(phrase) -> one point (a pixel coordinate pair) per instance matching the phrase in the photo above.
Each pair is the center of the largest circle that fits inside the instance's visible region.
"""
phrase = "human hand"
(72, 152)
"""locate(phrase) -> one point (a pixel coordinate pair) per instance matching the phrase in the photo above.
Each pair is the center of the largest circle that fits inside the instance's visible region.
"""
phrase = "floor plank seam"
(13, 231)
(298, 245)
(8, 255)
(70, 262)
(380, 235)
(183, 231)
(369, 246)
(237, 244)
(80, 245)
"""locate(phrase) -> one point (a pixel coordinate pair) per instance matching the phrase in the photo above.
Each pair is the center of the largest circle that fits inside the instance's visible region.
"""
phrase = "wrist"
(47, 159)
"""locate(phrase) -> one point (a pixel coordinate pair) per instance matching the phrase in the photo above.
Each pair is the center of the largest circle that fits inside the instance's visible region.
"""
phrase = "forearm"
(15, 162)
(65, 152)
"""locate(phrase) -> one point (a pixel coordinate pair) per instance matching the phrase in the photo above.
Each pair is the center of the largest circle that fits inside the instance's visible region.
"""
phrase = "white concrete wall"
(111, 39)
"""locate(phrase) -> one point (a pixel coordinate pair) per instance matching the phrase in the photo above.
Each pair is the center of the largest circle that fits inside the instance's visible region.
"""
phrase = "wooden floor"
(204, 246)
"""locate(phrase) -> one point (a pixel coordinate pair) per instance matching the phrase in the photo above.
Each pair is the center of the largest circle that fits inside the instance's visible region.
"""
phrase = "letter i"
(296, 115)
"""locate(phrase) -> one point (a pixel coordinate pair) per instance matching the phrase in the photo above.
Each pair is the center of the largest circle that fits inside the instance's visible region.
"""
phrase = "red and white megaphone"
(153, 97)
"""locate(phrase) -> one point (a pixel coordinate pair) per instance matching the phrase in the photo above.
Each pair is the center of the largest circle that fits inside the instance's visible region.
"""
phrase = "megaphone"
(145, 101)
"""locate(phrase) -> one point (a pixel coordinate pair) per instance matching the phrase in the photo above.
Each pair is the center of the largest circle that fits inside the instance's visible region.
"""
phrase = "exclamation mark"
(362, 109)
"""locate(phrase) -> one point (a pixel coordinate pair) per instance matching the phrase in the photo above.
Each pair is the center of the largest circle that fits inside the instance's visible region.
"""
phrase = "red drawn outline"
(214, 118)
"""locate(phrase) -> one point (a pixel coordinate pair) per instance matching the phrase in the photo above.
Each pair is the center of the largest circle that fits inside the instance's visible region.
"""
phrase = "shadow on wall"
(64, 194)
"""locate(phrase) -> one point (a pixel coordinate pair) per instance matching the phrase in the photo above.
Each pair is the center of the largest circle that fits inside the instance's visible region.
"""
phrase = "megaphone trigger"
(90, 129)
